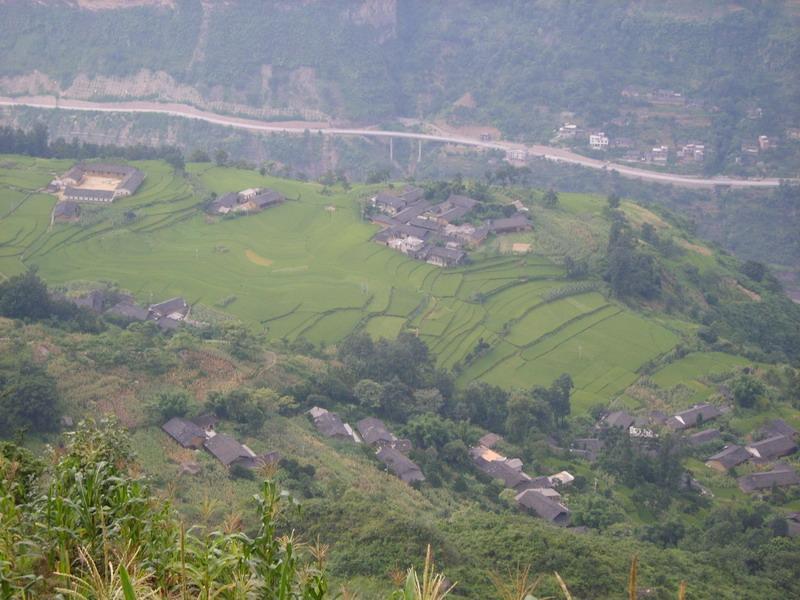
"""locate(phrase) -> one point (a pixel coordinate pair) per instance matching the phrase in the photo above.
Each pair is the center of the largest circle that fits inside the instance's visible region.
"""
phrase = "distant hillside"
(518, 66)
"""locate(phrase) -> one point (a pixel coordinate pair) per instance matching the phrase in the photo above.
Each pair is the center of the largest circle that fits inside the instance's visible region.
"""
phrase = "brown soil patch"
(694, 247)
(639, 215)
(256, 259)
(467, 101)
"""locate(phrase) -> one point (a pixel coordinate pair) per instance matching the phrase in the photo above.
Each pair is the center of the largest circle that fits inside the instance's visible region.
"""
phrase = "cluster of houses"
(777, 439)
(389, 449)
(199, 433)
(168, 315)
(79, 184)
(435, 233)
(247, 201)
(536, 495)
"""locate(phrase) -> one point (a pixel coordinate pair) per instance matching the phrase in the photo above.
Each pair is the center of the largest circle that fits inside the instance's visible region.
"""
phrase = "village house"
(399, 464)
(75, 187)
(66, 210)
(619, 419)
(764, 143)
(776, 446)
(778, 427)
(490, 440)
(702, 437)
(374, 433)
(694, 416)
(330, 425)
(128, 310)
(517, 154)
(543, 507)
(249, 200)
(169, 314)
(230, 452)
(513, 224)
(729, 457)
(598, 141)
(692, 152)
(186, 433)
(587, 448)
(780, 476)
(659, 155)
(445, 257)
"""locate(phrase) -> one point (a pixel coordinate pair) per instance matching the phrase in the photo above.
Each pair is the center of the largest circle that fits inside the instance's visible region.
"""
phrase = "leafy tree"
(613, 201)
(527, 412)
(558, 397)
(200, 156)
(482, 404)
(550, 199)
(221, 158)
(28, 396)
(754, 270)
(368, 393)
(747, 390)
(172, 404)
(25, 296)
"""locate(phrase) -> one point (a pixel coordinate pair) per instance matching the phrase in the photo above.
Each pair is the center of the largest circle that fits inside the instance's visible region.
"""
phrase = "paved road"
(550, 153)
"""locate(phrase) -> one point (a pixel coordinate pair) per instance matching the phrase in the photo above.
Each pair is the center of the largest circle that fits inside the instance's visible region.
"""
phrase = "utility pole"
(419, 150)
(391, 149)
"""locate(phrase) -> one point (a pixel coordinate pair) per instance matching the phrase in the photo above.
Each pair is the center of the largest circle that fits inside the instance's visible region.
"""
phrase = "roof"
(692, 416)
(168, 307)
(413, 210)
(490, 440)
(331, 425)
(447, 254)
(501, 470)
(228, 200)
(462, 201)
(391, 200)
(455, 213)
(772, 447)
(619, 419)
(513, 223)
(93, 300)
(186, 433)
(562, 478)
(167, 324)
(226, 449)
(373, 431)
(268, 198)
(702, 437)
(128, 310)
(400, 465)
(81, 193)
(778, 427)
(780, 476)
(412, 194)
(544, 507)
(132, 182)
(730, 456)
(66, 209)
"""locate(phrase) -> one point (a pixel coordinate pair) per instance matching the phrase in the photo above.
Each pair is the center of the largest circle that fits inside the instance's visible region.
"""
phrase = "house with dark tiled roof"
(702, 437)
(588, 448)
(374, 432)
(512, 224)
(729, 457)
(445, 257)
(399, 464)
(619, 419)
(76, 194)
(128, 310)
(66, 210)
(129, 178)
(93, 300)
(694, 416)
(778, 427)
(543, 507)
(330, 425)
(780, 476)
(186, 433)
(776, 446)
(230, 452)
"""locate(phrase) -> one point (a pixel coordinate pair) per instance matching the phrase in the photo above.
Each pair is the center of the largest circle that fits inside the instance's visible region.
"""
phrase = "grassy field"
(307, 269)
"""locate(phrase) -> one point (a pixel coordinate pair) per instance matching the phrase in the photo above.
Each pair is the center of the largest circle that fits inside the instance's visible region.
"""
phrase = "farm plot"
(303, 270)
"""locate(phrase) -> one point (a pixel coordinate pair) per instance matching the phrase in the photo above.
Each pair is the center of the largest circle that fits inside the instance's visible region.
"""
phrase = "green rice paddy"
(306, 269)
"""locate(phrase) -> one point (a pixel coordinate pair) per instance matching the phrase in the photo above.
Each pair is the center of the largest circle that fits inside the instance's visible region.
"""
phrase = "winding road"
(547, 152)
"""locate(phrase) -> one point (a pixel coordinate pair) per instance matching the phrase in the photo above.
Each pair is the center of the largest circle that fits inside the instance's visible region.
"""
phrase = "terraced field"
(307, 269)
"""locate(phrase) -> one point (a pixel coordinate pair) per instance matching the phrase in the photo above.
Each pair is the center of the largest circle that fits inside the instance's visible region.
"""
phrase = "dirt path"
(558, 155)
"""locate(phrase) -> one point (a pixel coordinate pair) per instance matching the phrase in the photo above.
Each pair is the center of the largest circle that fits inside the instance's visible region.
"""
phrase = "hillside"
(306, 270)
(521, 68)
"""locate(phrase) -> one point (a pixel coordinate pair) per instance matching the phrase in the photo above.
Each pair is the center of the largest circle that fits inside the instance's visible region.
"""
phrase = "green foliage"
(28, 396)
(171, 403)
(101, 532)
(747, 390)
(630, 272)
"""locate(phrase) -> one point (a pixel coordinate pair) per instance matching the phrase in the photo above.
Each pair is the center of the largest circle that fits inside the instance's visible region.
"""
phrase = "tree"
(526, 411)
(613, 201)
(28, 397)
(24, 296)
(550, 199)
(558, 397)
(754, 270)
(200, 156)
(482, 404)
(221, 157)
(172, 404)
(747, 390)
(368, 393)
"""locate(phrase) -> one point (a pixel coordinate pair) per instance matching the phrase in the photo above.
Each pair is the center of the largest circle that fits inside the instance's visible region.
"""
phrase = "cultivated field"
(301, 270)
